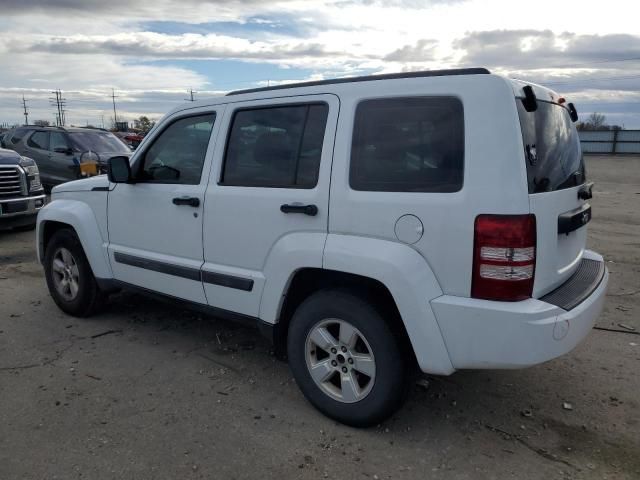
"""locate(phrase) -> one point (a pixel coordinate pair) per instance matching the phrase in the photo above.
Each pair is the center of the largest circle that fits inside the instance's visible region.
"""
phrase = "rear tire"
(346, 359)
(69, 276)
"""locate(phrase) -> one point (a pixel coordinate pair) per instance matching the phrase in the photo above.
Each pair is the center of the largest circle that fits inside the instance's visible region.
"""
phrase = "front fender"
(81, 218)
(411, 283)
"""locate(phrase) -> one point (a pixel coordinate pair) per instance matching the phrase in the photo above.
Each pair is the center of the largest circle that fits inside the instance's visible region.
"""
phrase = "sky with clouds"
(153, 51)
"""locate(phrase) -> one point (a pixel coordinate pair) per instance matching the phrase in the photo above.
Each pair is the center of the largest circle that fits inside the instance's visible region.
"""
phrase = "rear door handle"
(190, 201)
(310, 210)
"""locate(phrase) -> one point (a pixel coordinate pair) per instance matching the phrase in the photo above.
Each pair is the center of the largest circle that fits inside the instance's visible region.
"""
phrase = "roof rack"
(370, 78)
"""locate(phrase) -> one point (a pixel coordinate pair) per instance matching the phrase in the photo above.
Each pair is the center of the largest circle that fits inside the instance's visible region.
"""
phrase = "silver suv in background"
(59, 151)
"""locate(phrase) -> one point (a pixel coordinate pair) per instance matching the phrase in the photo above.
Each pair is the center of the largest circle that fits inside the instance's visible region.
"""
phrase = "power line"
(595, 62)
(596, 79)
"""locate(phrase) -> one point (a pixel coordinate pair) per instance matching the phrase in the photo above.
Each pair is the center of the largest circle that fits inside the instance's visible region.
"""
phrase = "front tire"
(69, 276)
(346, 359)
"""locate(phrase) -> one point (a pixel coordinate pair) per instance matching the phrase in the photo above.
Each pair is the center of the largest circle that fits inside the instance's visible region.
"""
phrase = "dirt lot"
(145, 390)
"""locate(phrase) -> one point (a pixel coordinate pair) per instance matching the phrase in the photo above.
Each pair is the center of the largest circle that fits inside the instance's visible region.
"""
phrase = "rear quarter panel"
(494, 175)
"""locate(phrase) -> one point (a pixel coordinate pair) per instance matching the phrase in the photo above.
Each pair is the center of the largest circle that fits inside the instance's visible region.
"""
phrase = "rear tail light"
(504, 257)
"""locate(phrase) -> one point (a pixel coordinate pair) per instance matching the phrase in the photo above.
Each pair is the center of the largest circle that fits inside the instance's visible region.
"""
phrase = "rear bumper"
(487, 334)
(21, 211)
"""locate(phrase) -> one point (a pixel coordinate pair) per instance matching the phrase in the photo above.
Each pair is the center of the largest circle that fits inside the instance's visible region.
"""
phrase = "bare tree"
(597, 121)
(143, 123)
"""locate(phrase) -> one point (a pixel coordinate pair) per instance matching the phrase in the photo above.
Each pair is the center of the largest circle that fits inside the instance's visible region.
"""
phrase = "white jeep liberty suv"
(432, 219)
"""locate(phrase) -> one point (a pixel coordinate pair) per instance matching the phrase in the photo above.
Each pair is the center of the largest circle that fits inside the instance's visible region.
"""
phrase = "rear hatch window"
(555, 172)
(552, 148)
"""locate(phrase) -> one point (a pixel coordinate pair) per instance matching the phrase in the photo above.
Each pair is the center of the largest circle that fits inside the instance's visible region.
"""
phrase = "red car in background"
(130, 138)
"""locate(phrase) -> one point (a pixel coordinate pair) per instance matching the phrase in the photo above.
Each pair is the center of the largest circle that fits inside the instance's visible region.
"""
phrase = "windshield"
(98, 142)
(551, 147)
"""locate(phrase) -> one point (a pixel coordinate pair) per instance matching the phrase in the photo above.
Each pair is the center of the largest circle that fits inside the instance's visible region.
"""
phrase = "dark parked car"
(60, 152)
(21, 194)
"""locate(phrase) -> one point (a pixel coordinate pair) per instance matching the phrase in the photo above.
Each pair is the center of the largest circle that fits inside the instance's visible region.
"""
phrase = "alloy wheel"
(66, 277)
(340, 360)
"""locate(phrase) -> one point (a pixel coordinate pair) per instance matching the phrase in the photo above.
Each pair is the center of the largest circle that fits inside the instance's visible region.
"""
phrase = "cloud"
(423, 50)
(530, 49)
(161, 46)
(414, 4)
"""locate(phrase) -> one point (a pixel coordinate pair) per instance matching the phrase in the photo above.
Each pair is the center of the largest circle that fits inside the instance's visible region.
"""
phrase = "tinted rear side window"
(413, 144)
(275, 146)
(39, 140)
(551, 148)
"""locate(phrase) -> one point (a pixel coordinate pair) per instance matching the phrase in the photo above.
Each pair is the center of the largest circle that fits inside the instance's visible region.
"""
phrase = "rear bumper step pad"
(579, 286)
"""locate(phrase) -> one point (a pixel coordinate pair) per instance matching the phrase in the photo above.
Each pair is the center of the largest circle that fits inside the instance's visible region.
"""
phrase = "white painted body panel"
(145, 223)
(242, 224)
(291, 253)
(411, 283)
(492, 182)
(486, 334)
(85, 215)
(557, 256)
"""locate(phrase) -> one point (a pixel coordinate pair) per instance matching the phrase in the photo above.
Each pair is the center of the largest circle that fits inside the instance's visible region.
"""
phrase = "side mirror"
(65, 150)
(119, 170)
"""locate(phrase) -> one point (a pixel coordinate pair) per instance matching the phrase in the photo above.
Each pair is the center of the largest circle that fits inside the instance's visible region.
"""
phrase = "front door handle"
(310, 210)
(190, 201)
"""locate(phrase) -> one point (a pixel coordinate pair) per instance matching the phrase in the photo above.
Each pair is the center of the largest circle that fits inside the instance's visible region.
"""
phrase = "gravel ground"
(146, 390)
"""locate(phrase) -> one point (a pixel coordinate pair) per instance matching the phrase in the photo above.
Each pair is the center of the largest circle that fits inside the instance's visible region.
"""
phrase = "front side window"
(39, 140)
(18, 134)
(177, 155)
(412, 144)
(276, 147)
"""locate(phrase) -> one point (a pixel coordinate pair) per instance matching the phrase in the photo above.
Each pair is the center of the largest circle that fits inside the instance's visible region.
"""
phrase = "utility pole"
(26, 112)
(60, 103)
(115, 114)
(191, 99)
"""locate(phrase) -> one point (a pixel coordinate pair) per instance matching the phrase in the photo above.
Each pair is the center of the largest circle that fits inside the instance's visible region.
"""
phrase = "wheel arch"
(393, 275)
(80, 218)
(306, 281)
